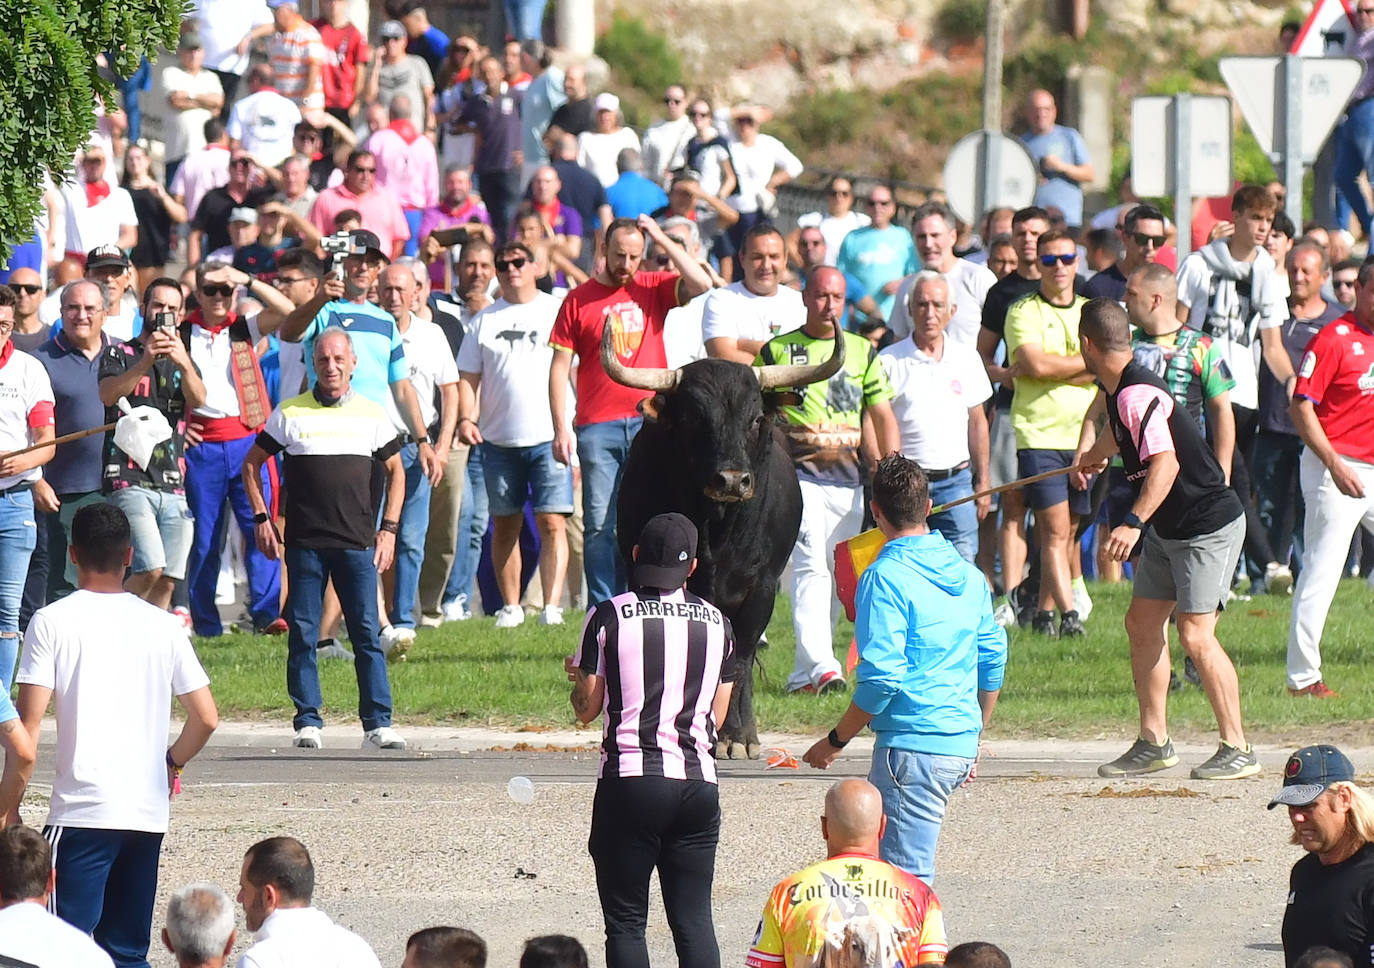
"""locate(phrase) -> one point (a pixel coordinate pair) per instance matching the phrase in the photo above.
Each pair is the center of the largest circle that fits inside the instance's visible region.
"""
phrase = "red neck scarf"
(95, 191)
(406, 129)
(197, 318)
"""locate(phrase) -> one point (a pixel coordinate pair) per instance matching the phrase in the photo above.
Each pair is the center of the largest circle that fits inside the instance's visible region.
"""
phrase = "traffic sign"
(1153, 158)
(1320, 89)
(1014, 177)
(1326, 31)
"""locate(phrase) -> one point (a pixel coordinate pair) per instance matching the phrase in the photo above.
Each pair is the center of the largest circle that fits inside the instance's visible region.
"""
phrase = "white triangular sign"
(1326, 86)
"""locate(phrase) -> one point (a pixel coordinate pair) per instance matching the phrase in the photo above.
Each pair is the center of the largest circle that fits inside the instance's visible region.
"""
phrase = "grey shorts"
(1002, 449)
(1194, 572)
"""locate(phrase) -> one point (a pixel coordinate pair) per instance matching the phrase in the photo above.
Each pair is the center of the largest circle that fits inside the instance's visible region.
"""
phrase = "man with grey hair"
(633, 195)
(200, 929)
(933, 229)
(939, 389)
(407, 166)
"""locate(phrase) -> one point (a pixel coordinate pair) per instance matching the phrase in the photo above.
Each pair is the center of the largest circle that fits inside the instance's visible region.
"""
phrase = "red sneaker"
(1318, 690)
(275, 627)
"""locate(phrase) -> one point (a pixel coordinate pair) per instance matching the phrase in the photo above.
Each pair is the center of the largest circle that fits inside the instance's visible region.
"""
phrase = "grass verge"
(469, 673)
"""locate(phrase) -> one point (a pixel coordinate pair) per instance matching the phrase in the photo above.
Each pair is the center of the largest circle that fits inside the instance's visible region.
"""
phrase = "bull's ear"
(654, 409)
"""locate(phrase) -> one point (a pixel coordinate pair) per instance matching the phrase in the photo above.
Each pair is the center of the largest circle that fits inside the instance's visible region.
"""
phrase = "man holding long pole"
(1196, 529)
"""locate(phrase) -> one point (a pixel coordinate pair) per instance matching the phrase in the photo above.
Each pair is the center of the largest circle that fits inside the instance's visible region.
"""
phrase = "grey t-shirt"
(410, 77)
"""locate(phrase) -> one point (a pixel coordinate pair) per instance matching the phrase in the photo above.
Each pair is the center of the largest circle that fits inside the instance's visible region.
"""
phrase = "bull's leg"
(729, 733)
(750, 621)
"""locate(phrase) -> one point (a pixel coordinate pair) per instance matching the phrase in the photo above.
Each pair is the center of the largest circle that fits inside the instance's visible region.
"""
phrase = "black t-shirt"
(321, 170)
(1331, 905)
(28, 342)
(161, 388)
(1273, 401)
(574, 117)
(212, 215)
(1110, 283)
(1003, 293)
(154, 229)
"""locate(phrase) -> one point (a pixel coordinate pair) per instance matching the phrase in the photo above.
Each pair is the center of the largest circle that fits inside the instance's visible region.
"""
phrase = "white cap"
(606, 101)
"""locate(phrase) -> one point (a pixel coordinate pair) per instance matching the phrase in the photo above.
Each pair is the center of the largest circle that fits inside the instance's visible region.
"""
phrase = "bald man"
(851, 900)
(29, 331)
(1061, 156)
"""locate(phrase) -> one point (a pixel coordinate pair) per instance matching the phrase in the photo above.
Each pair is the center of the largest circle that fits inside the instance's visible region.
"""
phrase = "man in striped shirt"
(659, 662)
(297, 54)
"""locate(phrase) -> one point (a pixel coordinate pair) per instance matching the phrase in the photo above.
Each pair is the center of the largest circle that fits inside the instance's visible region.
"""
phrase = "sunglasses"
(289, 280)
(672, 100)
(1063, 258)
(365, 171)
(518, 262)
(27, 289)
(701, 114)
(1335, 284)
(1142, 240)
(242, 163)
(223, 290)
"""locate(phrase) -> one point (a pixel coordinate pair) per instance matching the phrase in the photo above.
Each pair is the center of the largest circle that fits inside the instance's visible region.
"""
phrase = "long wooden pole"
(64, 439)
(1011, 486)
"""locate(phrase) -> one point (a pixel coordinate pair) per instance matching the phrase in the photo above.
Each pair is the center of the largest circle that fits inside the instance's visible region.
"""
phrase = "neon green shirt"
(1046, 414)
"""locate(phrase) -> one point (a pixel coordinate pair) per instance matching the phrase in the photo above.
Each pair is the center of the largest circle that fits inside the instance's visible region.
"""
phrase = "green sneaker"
(1143, 757)
(1228, 763)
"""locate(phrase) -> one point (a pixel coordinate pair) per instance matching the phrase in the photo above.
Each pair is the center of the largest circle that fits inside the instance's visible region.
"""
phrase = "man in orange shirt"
(851, 903)
(297, 54)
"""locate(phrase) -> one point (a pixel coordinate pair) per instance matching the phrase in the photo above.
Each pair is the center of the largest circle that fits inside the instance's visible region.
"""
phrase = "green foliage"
(642, 57)
(1249, 163)
(826, 118)
(49, 87)
(961, 19)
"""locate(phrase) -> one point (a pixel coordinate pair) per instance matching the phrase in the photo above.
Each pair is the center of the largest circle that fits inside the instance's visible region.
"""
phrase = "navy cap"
(363, 242)
(1309, 772)
(667, 546)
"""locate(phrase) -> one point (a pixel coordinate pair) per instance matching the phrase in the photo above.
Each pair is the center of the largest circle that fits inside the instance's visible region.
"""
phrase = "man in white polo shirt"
(740, 318)
(934, 231)
(940, 387)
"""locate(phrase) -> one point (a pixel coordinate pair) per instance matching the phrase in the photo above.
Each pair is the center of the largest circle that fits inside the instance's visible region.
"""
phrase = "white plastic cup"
(520, 789)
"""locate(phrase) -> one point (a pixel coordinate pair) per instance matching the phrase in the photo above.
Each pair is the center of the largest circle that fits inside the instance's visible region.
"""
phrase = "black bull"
(709, 450)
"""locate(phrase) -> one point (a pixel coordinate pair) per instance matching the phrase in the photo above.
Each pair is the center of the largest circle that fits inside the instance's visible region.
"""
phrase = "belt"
(16, 488)
(946, 474)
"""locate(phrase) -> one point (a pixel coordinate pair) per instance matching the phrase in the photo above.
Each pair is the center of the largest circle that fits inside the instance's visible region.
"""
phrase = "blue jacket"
(927, 645)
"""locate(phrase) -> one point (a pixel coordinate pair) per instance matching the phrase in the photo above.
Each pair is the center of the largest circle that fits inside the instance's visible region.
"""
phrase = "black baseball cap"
(363, 242)
(107, 256)
(1309, 772)
(667, 546)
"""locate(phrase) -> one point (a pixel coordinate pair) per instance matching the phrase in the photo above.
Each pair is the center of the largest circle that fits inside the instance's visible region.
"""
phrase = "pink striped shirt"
(662, 655)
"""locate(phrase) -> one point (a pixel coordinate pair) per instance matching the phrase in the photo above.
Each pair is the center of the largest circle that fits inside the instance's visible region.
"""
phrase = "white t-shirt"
(665, 147)
(754, 166)
(932, 399)
(1237, 334)
(122, 325)
(264, 123)
(26, 404)
(597, 153)
(223, 23)
(186, 130)
(431, 365)
(30, 935)
(682, 342)
(833, 229)
(114, 663)
(91, 225)
(291, 937)
(968, 287)
(508, 344)
(737, 313)
(211, 353)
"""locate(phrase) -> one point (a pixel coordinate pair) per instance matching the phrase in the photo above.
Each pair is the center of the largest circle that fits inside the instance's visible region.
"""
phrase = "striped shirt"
(376, 341)
(292, 52)
(662, 655)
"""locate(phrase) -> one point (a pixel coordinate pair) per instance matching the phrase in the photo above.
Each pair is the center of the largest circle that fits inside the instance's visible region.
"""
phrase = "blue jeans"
(958, 525)
(472, 526)
(525, 18)
(1354, 154)
(355, 581)
(500, 191)
(915, 789)
(212, 476)
(1278, 495)
(106, 885)
(410, 542)
(18, 535)
(602, 448)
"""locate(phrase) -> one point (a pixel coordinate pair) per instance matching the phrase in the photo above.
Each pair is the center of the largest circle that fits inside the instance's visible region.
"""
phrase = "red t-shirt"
(637, 312)
(347, 50)
(1337, 375)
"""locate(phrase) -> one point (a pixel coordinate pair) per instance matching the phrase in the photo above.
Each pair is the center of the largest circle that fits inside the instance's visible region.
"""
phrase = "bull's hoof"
(738, 751)
(753, 750)
(722, 750)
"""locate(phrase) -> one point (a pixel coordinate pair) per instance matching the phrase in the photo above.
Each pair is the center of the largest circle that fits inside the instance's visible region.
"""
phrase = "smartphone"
(451, 237)
(166, 322)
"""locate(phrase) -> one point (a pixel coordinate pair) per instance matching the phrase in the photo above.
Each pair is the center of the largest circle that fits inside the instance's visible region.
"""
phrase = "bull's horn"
(638, 377)
(779, 375)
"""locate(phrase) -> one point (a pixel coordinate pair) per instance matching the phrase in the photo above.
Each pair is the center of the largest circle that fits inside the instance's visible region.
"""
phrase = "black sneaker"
(1070, 627)
(1175, 683)
(1143, 757)
(1043, 624)
(1228, 763)
(1190, 671)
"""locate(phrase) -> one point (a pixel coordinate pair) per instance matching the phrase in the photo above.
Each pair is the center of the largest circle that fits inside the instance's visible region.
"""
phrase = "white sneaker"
(183, 615)
(308, 738)
(551, 615)
(396, 642)
(1278, 579)
(1004, 615)
(383, 738)
(1082, 603)
(457, 610)
(331, 649)
(510, 616)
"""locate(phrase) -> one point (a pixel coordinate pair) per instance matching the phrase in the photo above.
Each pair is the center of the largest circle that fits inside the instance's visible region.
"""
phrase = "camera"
(336, 247)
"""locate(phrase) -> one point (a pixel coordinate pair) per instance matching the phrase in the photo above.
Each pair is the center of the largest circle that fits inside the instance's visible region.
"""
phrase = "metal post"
(1290, 83)
(1183, 191)
(992, 110)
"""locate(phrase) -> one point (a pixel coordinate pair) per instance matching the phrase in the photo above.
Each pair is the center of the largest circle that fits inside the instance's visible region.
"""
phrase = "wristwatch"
(1132, 520)
(261, 518)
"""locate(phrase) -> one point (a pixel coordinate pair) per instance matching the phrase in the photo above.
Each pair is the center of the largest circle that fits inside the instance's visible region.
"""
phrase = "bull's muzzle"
(730, 486)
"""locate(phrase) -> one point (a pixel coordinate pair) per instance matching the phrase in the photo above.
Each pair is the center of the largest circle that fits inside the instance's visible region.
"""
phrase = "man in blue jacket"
(931, 658)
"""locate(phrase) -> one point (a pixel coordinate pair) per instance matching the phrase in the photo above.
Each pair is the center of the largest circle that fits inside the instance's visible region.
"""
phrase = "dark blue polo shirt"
(498, 127)
(76, 467)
